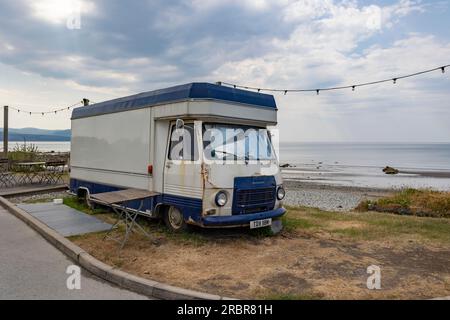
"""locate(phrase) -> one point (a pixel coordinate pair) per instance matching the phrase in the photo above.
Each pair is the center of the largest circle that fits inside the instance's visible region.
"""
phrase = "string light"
(353, 87)
(285, 91)
(43, 113)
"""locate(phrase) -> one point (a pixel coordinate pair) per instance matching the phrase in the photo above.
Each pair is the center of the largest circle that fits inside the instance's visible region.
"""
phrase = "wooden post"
(5, 132)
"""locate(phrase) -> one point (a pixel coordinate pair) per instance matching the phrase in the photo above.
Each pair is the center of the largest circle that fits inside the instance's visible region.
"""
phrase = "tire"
(82, 196)
(174, 220)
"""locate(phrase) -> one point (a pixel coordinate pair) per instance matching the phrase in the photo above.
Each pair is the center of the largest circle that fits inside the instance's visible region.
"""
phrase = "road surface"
(31, 268)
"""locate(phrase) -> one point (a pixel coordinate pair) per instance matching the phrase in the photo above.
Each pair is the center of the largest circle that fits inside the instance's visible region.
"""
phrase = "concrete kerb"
(102, 270)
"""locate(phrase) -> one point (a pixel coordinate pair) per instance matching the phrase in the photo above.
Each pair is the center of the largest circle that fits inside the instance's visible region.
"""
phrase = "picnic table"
(118, 200)
(54, 171)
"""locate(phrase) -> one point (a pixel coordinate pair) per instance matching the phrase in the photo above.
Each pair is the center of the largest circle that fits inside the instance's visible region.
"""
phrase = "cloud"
(181, 39)
(59, 11)
(145, 45)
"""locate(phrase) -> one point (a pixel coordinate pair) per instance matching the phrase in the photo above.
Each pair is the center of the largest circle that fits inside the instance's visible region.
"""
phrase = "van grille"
(254, 197)
(253, 194)
(254, 200)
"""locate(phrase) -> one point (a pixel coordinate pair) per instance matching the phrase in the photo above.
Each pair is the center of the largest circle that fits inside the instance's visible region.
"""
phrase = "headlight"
(281, 193)
(221, 198)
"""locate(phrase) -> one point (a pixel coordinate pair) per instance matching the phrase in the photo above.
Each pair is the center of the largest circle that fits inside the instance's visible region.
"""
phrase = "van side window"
(182, 144)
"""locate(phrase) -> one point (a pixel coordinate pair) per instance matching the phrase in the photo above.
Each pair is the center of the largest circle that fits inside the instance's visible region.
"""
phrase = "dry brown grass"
(320, 255)
(412, 202)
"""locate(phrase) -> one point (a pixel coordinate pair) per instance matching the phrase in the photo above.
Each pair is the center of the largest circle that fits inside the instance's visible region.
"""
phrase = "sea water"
(361, 164)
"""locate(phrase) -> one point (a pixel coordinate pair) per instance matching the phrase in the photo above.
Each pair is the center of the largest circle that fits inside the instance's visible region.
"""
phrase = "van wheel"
(82, 196)
(174, 220)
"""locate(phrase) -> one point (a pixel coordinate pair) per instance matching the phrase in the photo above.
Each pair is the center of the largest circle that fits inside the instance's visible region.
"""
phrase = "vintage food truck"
(203, 149)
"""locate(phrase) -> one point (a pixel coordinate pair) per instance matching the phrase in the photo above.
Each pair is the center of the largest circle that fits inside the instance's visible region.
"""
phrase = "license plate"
(260, 223)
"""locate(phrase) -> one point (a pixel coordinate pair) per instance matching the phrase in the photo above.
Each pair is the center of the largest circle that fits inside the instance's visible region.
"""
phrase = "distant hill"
(35, 134)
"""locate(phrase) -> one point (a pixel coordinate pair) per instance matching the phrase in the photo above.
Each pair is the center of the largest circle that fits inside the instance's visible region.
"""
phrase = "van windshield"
(236, 142)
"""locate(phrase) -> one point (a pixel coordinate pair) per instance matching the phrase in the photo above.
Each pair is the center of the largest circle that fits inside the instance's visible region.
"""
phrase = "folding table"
(118, 200)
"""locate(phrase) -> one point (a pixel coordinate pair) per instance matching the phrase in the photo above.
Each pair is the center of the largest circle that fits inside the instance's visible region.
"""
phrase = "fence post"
(5, 132)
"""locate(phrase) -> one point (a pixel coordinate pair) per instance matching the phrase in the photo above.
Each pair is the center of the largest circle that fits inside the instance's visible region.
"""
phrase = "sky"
(53, 53)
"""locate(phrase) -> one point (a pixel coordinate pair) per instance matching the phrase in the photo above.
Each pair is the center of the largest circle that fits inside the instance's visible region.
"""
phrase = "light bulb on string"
(353, 87)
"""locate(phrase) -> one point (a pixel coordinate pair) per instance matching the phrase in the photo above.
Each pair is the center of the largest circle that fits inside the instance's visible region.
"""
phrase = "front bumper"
(241, 219)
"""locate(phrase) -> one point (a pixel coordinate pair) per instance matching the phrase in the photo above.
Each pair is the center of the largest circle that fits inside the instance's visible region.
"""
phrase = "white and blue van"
(205, 149)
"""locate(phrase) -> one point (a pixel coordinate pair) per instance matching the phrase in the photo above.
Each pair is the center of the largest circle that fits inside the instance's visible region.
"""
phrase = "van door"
(182, 169)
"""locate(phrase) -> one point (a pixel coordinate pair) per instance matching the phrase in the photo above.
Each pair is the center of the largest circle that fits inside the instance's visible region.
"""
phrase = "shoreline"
(428, 174)
(338, 187)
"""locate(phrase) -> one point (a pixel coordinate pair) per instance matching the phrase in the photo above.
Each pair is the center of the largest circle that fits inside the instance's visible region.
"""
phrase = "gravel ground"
(36, 197)
(326, 197)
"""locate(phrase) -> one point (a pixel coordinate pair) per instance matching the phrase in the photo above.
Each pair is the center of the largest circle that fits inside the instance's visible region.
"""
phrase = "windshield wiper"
(246, 158)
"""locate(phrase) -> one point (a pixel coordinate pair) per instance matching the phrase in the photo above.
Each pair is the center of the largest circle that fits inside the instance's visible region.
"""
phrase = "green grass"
(77, 204)
(428, 228)
(291, 222)
(152, 227)
(187, 237)
(352, 225)
(369, 225)
(190, 236)
(81, 236)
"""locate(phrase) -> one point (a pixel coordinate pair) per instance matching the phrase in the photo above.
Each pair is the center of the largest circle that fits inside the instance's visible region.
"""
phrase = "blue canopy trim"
(176, 94)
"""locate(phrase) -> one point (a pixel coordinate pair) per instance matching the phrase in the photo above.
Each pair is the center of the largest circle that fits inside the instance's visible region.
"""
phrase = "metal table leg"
(128, 217)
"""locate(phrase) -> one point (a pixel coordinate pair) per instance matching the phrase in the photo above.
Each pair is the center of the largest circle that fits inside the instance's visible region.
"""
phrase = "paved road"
(31, 268)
